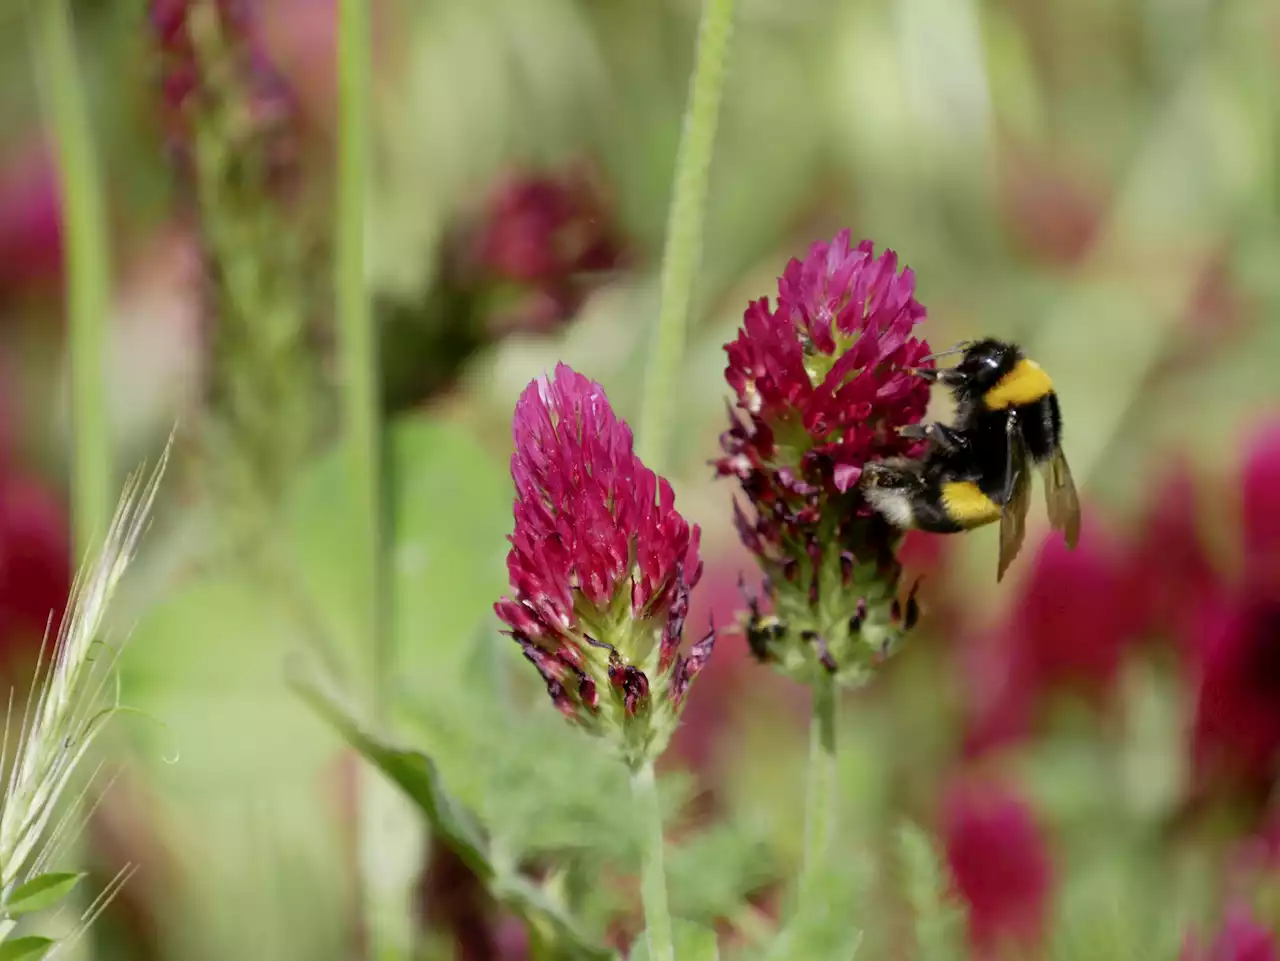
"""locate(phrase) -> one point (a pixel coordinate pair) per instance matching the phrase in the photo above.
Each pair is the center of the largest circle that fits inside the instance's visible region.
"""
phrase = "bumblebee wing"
(1061, 498)
(1013, 520)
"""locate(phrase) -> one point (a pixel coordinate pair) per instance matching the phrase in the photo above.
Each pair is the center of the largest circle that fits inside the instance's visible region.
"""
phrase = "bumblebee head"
(890, 487)
(982, 365)
(895, 473)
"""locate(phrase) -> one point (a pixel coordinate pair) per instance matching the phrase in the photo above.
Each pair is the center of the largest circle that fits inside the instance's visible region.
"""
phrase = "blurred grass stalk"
(685, 222)
(87, 284)
(86, 270)
(384, 821)
(820, 803)
(680, 260)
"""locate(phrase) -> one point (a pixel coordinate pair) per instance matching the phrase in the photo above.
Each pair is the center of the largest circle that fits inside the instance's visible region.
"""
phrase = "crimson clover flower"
(1240, 939)
(601, 567)
(999, 864)
(823, 383)
(539, 239)
(1235, 640)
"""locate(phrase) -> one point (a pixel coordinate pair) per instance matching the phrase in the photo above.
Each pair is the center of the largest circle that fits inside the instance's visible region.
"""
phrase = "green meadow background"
(1097, 180)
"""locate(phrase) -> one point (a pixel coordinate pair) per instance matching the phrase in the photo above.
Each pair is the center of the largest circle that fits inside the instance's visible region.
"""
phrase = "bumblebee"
(762, 630)
(1007, 422)
(957, 486)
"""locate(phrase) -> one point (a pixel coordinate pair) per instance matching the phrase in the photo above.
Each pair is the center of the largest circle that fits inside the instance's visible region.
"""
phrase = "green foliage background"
(970, 136)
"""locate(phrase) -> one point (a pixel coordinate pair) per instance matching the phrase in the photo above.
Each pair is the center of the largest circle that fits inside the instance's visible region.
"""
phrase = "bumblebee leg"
(948, 438)
(1011, 467)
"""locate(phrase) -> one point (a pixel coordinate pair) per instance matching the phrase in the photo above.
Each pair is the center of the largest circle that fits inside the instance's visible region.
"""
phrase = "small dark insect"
(763, 630)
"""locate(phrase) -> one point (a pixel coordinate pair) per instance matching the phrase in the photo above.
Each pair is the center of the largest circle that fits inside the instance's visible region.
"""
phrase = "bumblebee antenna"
(959, 348)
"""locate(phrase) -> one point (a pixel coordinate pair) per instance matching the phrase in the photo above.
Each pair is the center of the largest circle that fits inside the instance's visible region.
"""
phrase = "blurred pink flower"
(924, 554)
(1261, 507)
(235, 92)
(1240, 939)
(457, 905)
(1066, 632)
(1169, 570)
(706, 717)
(1256, 859)
(1235, 639)
(545, 234)
(35, 561)
(1236, 730)
(301, 37)
(999, 864)
(1219, 309)
(30, 221)
(545, 228)
(706, 736)
(1052, 213)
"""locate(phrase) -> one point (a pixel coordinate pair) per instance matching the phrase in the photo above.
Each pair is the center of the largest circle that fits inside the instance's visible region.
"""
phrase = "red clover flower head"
(824, 381)
(601, 568)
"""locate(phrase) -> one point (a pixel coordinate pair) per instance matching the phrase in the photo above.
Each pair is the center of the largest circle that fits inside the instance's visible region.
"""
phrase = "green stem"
(87, 285)
(684, 228)
(820, 813)
(87, 270)
(383, 881)
(653, 877)
(360, 390)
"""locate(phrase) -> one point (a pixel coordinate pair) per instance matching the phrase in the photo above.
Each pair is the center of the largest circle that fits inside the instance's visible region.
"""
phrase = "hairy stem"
(820, 812)
(87, 269)
(653, 877)
(684, 228)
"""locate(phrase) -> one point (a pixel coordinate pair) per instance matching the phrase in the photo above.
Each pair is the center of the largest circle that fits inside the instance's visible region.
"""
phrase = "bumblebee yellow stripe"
(1025, 384)
(965, 504)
